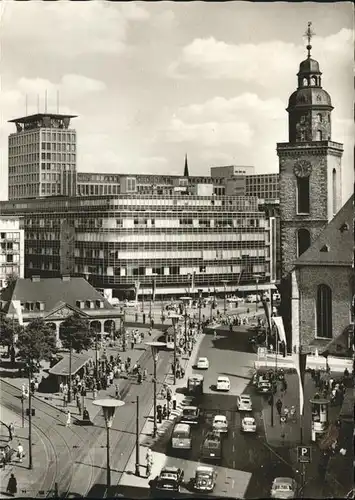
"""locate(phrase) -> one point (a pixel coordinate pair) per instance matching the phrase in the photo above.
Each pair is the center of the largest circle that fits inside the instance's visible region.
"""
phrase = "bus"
(181, 437)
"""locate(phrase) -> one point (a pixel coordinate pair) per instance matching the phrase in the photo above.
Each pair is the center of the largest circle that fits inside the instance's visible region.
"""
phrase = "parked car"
(264, 387)
(190, 415)
(195, 384)
(202, 364)
(181, 438)
(220, 423)
(223, 383)
(211, 448)
(169, 479)
(248, 424)
(130, 303)
(283, 487)
(205, 478)
(244, 402)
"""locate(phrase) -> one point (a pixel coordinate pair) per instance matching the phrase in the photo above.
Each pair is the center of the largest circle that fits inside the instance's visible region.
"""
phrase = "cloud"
(70, 29)
(210, 134)
(246, 106)
(266, 63)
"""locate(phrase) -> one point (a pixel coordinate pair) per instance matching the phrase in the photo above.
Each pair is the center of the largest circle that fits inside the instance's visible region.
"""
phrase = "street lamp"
(199, 308)
(185, 300)
(175, 319)
(155, 348)
(257, 277)
(108, 406)
(225, 298)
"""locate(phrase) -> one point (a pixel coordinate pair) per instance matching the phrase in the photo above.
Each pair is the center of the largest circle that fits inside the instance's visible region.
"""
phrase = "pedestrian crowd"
(330, 387)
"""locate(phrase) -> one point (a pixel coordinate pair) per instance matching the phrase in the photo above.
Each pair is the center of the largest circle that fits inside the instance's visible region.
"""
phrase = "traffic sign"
(282, 419)
(304, 454)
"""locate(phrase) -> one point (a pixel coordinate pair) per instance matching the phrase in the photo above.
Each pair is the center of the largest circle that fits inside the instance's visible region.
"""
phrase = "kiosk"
(319, 417)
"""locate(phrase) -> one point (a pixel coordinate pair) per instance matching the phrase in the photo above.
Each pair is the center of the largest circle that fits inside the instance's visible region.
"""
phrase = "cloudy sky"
(153, 81)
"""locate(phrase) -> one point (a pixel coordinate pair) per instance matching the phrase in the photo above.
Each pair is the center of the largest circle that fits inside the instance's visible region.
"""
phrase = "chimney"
(35, 278)
(65, 277)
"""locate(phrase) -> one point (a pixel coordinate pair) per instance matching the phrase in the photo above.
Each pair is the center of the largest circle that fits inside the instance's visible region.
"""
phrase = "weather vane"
(309, 34)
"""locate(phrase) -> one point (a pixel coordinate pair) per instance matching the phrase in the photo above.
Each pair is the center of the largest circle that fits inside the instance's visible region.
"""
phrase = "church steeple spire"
(309, 34)
(186, 168)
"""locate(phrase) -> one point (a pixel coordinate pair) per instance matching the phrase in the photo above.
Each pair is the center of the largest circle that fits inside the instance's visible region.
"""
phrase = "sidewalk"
(56, 399)
(28, 481)
(147, 441)
(336, 365)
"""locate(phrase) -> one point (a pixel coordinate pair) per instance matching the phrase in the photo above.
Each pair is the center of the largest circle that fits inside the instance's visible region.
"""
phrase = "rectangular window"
(303, 195)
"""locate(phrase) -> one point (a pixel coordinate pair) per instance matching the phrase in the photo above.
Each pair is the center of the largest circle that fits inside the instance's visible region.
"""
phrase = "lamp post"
(142, 300)
(155, 348)
(199, 309)
(185, 300)
(30, 463)
(225, 298)
(175, 319)
(108, 406)
(257, 277)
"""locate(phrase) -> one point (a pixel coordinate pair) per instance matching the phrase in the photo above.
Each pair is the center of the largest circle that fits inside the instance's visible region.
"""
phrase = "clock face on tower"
(302, 168)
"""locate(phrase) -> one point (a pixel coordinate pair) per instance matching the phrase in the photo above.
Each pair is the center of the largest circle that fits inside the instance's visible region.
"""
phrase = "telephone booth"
(319, 417)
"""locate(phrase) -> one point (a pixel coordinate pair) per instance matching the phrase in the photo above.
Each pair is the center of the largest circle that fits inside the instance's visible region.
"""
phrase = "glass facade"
(11, 249)
(118, 240)
(42, 157)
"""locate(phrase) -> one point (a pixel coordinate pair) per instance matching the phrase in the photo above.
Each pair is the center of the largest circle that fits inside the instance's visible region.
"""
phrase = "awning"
(280, 328)
(77, 362)
(340, 344)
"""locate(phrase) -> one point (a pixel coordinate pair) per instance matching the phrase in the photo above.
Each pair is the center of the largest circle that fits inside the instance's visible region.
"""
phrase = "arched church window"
(303, 195)
(319, 135)
(324, 312)
(319, 117)
(334, 190)
(314, 80)
(305, 82)
(303, 241)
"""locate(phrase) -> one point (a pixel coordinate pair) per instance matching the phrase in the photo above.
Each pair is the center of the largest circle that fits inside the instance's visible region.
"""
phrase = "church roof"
(309, 65)
(335, 244)
(309, 96)
(51, 291)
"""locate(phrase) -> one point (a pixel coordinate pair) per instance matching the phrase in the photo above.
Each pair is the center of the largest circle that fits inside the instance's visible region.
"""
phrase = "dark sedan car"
(170, 479)
(190, 415)
(211, 448)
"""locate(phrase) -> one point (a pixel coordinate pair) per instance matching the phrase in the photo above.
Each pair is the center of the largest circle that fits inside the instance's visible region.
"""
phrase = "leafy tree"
(75, 333)
(36, 342)
(9, 329)
(11, 279)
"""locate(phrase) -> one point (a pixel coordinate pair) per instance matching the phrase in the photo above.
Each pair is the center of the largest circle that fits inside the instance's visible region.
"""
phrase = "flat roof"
(37, 116)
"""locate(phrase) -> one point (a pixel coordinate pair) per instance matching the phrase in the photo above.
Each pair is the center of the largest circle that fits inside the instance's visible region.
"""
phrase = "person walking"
(65, 399)
(11, 431)
(149, 460)
(68, 422)
(279, 406)
(12, 485)
(20, 452)
(173, 399)
(284, 385)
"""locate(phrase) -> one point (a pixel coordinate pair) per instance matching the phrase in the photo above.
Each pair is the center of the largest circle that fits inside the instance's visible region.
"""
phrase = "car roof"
(220, 416)
(249, 419)
(196, 376)
(204, 468)
(222, 377)
(170, 469)
(182, 427)
(190, 408)
(280, 480)
(202, 357)
(245, 396)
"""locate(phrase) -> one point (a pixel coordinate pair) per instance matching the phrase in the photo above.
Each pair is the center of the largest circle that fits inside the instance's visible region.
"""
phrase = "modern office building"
(188, 239)
(42, 157)
(12, 248)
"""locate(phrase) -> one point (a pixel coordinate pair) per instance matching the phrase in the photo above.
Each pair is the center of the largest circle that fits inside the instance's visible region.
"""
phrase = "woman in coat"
(12, 485)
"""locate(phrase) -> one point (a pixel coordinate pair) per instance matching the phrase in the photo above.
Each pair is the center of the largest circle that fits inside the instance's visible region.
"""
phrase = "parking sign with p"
(304, 454)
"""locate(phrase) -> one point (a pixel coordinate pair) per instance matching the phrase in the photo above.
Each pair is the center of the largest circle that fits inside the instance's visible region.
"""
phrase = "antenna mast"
(45, 102)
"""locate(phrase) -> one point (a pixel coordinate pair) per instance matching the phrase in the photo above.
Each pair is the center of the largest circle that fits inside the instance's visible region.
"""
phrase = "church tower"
(310, 164)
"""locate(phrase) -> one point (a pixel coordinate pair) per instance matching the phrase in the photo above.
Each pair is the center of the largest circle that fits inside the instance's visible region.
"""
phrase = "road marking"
(233, 463)
(233, 433)
(233, 483)
(233, 448)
